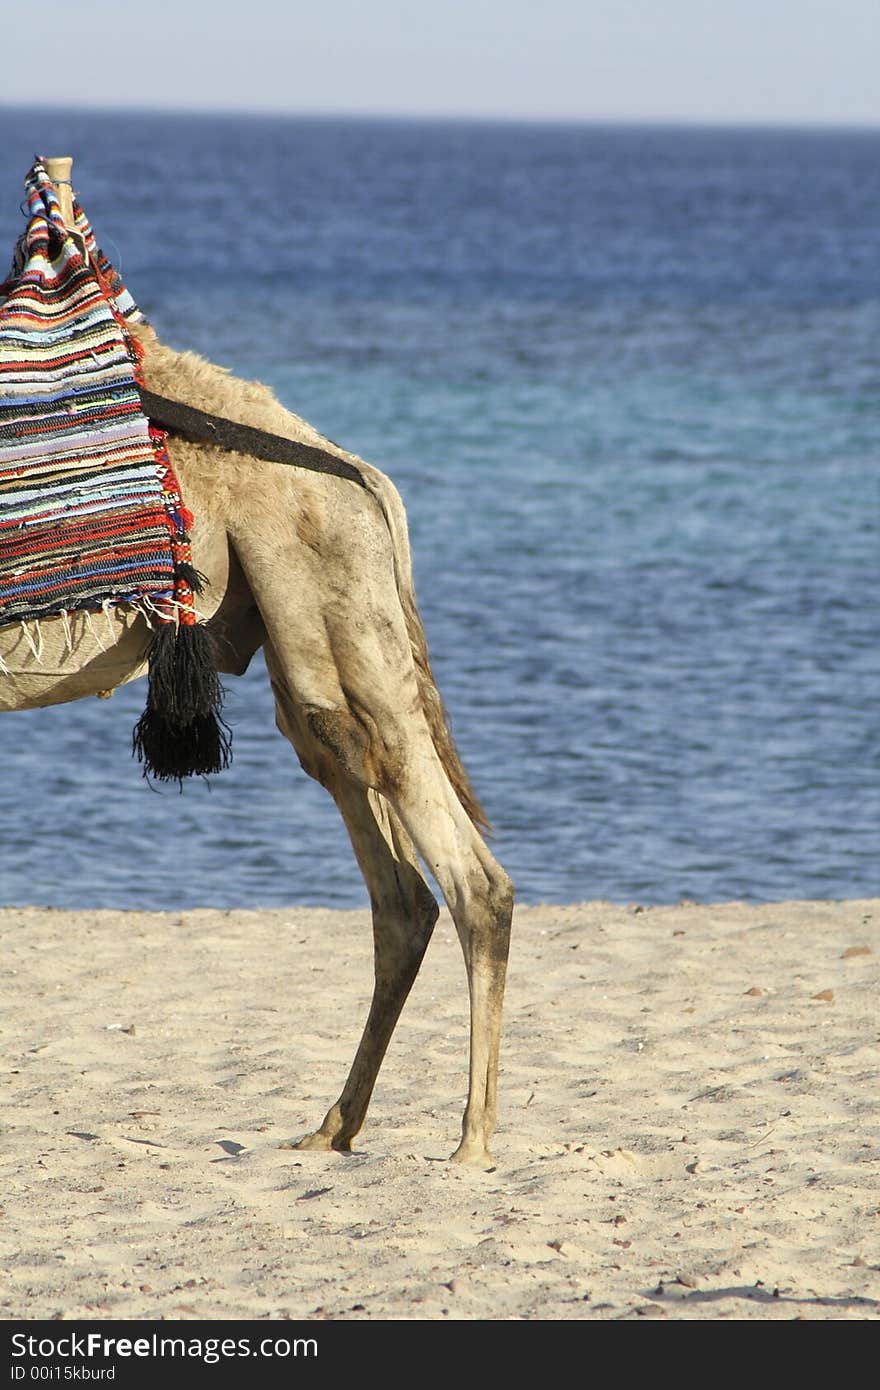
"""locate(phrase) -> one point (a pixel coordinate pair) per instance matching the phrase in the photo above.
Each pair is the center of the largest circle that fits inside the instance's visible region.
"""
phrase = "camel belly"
(55, 661)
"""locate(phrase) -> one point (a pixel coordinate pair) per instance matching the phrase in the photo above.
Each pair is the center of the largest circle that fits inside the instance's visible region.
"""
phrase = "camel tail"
(389, 500)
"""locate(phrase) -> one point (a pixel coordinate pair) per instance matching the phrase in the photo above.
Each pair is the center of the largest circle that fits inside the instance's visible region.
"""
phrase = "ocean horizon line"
(708, 124)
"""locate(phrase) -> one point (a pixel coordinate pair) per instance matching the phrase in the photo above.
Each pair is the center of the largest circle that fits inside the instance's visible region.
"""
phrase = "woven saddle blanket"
(90, 510)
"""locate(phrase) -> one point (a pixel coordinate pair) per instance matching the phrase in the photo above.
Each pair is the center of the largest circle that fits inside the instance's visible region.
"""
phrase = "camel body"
(316, 570)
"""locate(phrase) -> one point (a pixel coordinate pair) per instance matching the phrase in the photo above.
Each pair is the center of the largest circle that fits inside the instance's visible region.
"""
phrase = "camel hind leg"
(404, 912)
(480, 898)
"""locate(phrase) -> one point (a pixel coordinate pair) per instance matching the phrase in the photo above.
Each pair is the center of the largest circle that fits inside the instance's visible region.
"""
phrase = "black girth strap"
(178, 418)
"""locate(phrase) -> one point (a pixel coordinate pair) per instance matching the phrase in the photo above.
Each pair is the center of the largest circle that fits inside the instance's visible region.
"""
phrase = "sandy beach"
(688, 1123)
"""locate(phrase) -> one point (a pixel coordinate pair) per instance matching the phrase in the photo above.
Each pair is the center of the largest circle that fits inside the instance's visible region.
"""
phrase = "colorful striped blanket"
(90, 511)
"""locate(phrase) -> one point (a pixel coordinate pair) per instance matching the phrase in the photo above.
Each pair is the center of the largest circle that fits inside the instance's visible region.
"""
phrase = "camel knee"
(404, 915)
(500, 894)
(498, 910)
(484, 921)
(489, 891)
(411, 902)
(354, 742)
(341, 736)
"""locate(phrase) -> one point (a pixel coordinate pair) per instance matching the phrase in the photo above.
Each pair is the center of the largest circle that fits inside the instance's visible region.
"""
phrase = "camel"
(316, 571)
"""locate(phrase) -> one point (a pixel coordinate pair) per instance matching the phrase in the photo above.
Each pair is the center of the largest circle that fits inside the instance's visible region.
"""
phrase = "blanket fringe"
(36, 647)
(181, 733)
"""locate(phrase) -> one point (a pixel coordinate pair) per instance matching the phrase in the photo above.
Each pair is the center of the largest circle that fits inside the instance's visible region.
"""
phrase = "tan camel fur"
(316, 570)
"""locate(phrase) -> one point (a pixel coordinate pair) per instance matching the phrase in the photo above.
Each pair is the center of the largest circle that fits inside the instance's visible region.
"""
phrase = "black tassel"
(193, 577)
(181, 732)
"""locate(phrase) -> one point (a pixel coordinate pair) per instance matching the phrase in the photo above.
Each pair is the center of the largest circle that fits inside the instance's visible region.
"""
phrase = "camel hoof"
(317, 1141)
(474, 1154)
(309, 1141)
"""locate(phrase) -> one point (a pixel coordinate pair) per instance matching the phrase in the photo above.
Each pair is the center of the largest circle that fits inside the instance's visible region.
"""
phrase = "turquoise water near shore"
(626, 380)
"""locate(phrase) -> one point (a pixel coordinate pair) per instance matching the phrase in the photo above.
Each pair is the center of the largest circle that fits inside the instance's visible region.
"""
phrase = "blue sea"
(628, 383)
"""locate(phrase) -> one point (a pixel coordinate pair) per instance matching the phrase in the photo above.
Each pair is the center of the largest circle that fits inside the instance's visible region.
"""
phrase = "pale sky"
(801, 61)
